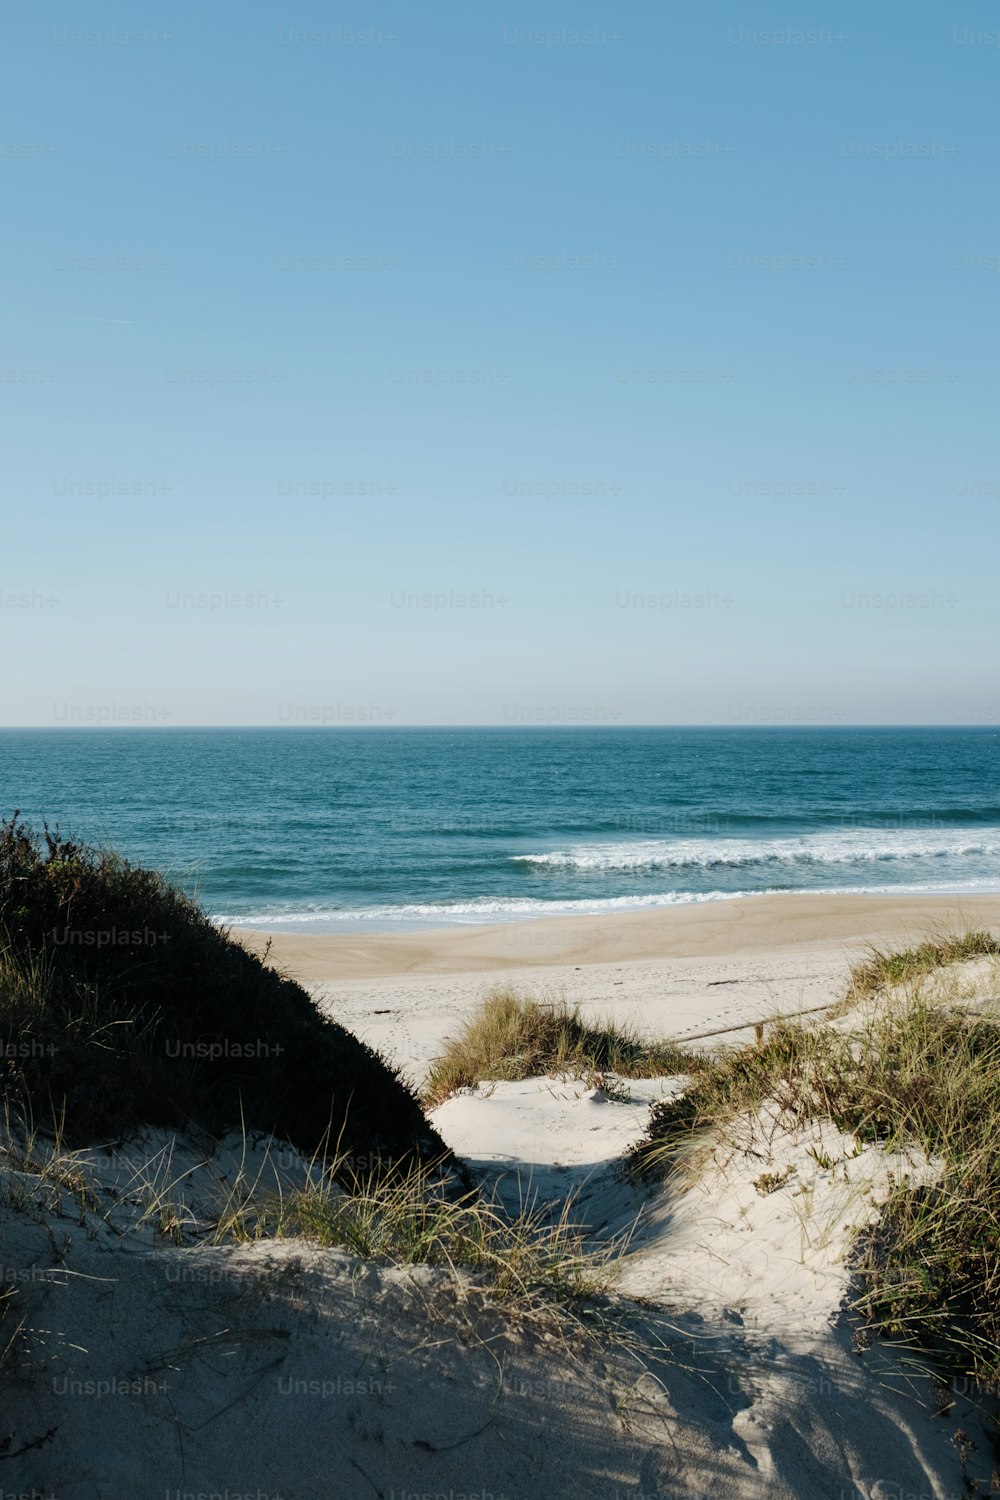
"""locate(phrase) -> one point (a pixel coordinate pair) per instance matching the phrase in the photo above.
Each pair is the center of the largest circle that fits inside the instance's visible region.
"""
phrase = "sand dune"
(276, 1369)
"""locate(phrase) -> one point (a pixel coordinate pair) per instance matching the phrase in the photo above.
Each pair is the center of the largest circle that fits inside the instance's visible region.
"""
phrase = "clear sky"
(323, 321)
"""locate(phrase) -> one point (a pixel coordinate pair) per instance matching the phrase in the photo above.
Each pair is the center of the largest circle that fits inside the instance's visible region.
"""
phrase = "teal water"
(327, 828)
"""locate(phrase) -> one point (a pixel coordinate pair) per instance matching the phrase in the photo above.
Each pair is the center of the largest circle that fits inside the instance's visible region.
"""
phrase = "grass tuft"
(512, 1036)
(884, 968)
(408, 1216)
(8, 1336)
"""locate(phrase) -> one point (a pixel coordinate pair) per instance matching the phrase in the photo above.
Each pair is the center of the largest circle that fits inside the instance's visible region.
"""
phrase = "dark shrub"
(121, 1004)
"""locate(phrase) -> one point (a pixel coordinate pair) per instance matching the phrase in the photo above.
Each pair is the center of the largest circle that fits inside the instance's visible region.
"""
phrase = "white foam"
(835, 847)
(484, 909)
(489, 909)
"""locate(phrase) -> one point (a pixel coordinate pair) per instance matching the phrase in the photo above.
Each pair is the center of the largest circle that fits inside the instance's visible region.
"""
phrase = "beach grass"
(513, 1036)
(917, 1074)
(888, 967)
(8, 1335)
(534, 1261)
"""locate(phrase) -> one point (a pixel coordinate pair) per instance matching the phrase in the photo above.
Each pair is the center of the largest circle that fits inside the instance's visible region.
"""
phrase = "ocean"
(338, 829)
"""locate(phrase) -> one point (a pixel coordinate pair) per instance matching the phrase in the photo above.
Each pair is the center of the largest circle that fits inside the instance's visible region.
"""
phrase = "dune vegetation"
(910, 965)
(122, 1005)
(513, 1036)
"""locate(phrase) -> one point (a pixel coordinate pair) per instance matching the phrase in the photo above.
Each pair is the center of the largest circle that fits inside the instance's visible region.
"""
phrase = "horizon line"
(513, 728)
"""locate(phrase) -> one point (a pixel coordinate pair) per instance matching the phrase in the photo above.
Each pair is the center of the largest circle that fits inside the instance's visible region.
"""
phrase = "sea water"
(334, 829)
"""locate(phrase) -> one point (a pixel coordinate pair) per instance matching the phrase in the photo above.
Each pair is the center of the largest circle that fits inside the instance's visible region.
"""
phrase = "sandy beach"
(675, 971)
(707, 929)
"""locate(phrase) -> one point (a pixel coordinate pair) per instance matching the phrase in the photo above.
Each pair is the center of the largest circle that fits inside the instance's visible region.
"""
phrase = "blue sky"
(674, 349)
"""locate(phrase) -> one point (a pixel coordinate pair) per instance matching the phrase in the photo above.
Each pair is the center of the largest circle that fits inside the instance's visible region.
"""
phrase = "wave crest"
(854, 846)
